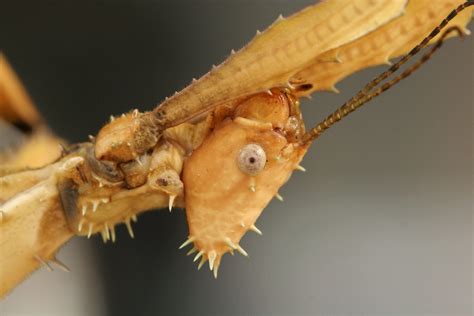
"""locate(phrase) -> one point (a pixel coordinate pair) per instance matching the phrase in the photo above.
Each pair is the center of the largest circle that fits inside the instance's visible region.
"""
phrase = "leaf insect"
(245, 112)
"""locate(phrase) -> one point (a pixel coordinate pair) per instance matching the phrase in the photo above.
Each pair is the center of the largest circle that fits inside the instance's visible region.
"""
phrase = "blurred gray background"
(380, 224)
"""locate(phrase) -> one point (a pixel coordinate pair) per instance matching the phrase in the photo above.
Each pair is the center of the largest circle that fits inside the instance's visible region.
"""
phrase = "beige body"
(276, 54)
(33, 226)
(34, 220)
(223, 202)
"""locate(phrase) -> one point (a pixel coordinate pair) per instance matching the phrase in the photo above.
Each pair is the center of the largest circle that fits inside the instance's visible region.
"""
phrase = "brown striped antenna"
(368, 92)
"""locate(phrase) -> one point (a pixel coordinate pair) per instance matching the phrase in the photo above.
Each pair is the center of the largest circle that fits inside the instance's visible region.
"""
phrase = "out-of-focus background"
(380, 224)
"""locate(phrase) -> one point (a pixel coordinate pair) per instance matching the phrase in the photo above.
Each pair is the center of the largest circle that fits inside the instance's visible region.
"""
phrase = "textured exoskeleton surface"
(41, 209)
(33, 223)
(224, 165)
(223, 198)
(379, 46)
(276, 54)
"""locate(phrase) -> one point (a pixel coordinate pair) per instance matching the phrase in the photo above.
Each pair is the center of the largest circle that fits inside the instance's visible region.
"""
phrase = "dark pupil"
(252, 159)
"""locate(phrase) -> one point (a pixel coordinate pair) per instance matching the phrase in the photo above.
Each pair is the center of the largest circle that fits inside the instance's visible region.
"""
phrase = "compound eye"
(252, 159)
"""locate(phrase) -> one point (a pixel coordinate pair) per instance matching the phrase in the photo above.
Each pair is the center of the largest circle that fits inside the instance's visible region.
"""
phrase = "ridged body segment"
(378, 47)
(275, 55)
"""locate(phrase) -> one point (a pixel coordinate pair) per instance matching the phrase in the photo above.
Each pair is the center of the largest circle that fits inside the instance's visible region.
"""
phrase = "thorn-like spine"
(202, 262)
(84, 209)
(95, 204)
(129, 228)
(107, 232)
(91, 138)
(279, 197)
(60, 264)
(290, 86)
(199, 255)
(194, 80)
(44, 263)
(112, 233)
(190, 252)
(134, 218)
(104, 237)
(89, 233)
(112, 118)
(212, 258)
(79, 226)
(269, 92)
(216, 269)
(334, 90)
(255, 229)
(187, 242)
(252, 185)
(300, 168)
(242, 251)
(232, 52)
(258, 32)
(230, 243)
(171, 202)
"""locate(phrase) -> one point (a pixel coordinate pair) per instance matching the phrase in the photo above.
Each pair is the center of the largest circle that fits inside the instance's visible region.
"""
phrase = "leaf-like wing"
(275, 55)
(392, 40)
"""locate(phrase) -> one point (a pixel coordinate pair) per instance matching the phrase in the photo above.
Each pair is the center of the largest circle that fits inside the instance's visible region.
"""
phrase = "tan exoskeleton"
(222, 147)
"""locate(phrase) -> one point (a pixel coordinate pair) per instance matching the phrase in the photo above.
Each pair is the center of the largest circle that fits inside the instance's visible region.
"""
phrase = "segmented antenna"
(365, 95)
